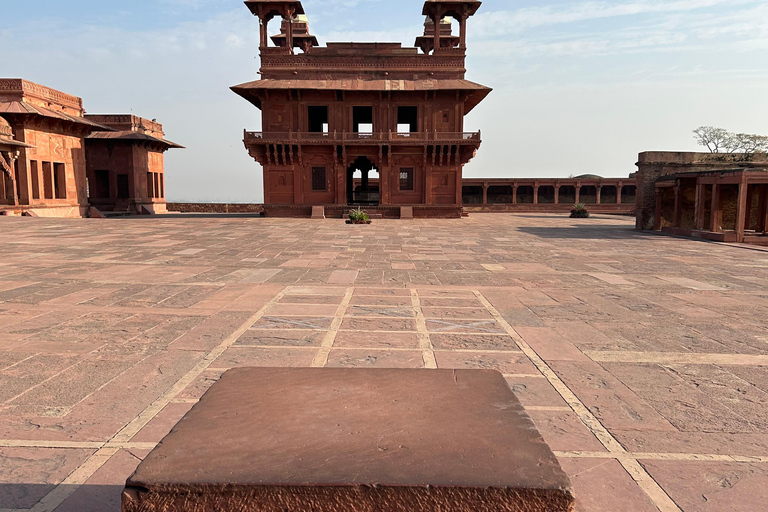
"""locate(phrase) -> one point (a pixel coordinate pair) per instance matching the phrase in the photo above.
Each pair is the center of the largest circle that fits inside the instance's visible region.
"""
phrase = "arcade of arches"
(602, 193)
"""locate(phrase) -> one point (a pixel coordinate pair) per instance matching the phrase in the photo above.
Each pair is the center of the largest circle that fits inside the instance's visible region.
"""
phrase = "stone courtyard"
(641, 358)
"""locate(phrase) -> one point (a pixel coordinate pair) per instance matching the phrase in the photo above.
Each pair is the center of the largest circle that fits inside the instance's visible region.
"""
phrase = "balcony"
(376, 138)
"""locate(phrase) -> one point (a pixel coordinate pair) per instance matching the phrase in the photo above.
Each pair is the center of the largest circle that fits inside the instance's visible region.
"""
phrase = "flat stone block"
(318, 212)
(327, 440)
(406, 212)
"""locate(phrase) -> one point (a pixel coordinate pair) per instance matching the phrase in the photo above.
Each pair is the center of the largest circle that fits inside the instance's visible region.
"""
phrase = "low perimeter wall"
(215, 208)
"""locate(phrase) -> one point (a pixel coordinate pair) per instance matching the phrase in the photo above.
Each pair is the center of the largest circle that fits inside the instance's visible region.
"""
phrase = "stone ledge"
(327, 440)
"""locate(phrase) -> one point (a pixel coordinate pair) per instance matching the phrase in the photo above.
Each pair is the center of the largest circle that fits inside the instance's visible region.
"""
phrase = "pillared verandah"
(393, 116)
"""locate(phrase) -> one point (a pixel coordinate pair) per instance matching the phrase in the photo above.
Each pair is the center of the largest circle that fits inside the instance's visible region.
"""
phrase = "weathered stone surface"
(265, 439)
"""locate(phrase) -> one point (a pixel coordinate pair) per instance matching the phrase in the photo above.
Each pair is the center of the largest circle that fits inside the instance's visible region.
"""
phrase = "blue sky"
(579, 86)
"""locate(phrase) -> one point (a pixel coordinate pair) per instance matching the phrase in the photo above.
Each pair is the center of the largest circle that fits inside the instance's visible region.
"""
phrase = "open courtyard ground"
(642, 359)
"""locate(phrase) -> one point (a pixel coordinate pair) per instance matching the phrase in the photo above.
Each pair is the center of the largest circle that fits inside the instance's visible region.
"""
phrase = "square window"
(319, 183)
(406, 178)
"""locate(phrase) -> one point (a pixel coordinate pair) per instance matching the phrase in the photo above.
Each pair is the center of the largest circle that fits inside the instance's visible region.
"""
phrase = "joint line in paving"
(82, 473)
(321, 359)
(636, 471)
(425, 344)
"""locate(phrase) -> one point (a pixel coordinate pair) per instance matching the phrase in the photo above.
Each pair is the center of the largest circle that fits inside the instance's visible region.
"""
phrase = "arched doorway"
(362, 189)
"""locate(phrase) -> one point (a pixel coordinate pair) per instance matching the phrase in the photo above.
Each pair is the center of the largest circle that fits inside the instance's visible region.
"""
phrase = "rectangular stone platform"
(328, 440)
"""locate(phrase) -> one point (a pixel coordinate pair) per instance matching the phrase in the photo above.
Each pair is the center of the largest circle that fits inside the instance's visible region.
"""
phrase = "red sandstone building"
(57, 160)
(125, 167)
(391, 116)
(721, 197)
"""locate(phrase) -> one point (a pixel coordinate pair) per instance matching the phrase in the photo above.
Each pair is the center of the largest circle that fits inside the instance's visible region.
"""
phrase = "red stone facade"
(390, 115)
(722, 197)
(47, 173)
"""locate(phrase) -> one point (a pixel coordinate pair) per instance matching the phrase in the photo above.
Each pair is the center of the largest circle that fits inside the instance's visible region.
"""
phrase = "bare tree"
(718, 140)
(714, 139)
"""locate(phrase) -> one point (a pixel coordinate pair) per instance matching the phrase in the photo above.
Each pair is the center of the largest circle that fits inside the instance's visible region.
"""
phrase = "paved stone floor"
(643, 359)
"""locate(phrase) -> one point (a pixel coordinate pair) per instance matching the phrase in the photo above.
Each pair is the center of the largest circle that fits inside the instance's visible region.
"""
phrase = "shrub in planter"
(579, 211)
(358, 217)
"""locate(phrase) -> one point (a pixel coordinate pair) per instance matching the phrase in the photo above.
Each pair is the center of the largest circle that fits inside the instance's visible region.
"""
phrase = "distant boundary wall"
(215, 208)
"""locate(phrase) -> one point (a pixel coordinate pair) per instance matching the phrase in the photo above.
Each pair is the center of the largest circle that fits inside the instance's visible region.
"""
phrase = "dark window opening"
(123, 189)
(362, 119)
(608, 194)
(588, 194)
(546, 194)
(319, 182)
(101, 185)
(35, 172)
(628, 194)
(162, 186)
(472, 195)
(406, 179)
(525, 194)
(567, 195)
(60, 181)
(500, 194)
(47, 180)
(407, 119)
(150, 184)
(317, 119)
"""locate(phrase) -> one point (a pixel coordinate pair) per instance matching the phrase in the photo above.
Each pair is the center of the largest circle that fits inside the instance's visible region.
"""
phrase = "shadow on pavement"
(85, 498)
(590, 232)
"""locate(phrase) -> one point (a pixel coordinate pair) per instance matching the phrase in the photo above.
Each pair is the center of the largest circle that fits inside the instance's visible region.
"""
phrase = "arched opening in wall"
(500, 194)
(525, 195)
(628, 193)
(472, 195)
(588, 194)
(729, 202)
(567, 195)
(547, 195)
(362, 188)
(667, 207)
(608, 194)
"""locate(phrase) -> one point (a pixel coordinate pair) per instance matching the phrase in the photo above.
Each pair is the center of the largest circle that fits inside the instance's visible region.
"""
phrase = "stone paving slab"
(643, 359)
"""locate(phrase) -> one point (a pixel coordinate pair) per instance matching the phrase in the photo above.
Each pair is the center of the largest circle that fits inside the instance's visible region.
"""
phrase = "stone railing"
(362, 138)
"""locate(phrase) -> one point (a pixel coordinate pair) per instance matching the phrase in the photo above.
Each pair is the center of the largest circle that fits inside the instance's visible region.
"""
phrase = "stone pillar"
(263, 33)
(741, 210)
(701, 197)
(535, 194)
(598, 192)
(438, 17)
(678, 215)
(578, 193)
(485, 193)
(748, 209)
(8, 167)
(385, 173)
(463, 31)
(514, 193)
(428, 196)
(557, 194)
(657, 214)
(289, 30)
(716, 219)
(619, 189)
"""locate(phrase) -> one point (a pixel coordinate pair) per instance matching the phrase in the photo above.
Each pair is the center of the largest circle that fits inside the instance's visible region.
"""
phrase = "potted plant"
(579, 211)
(358, 217)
